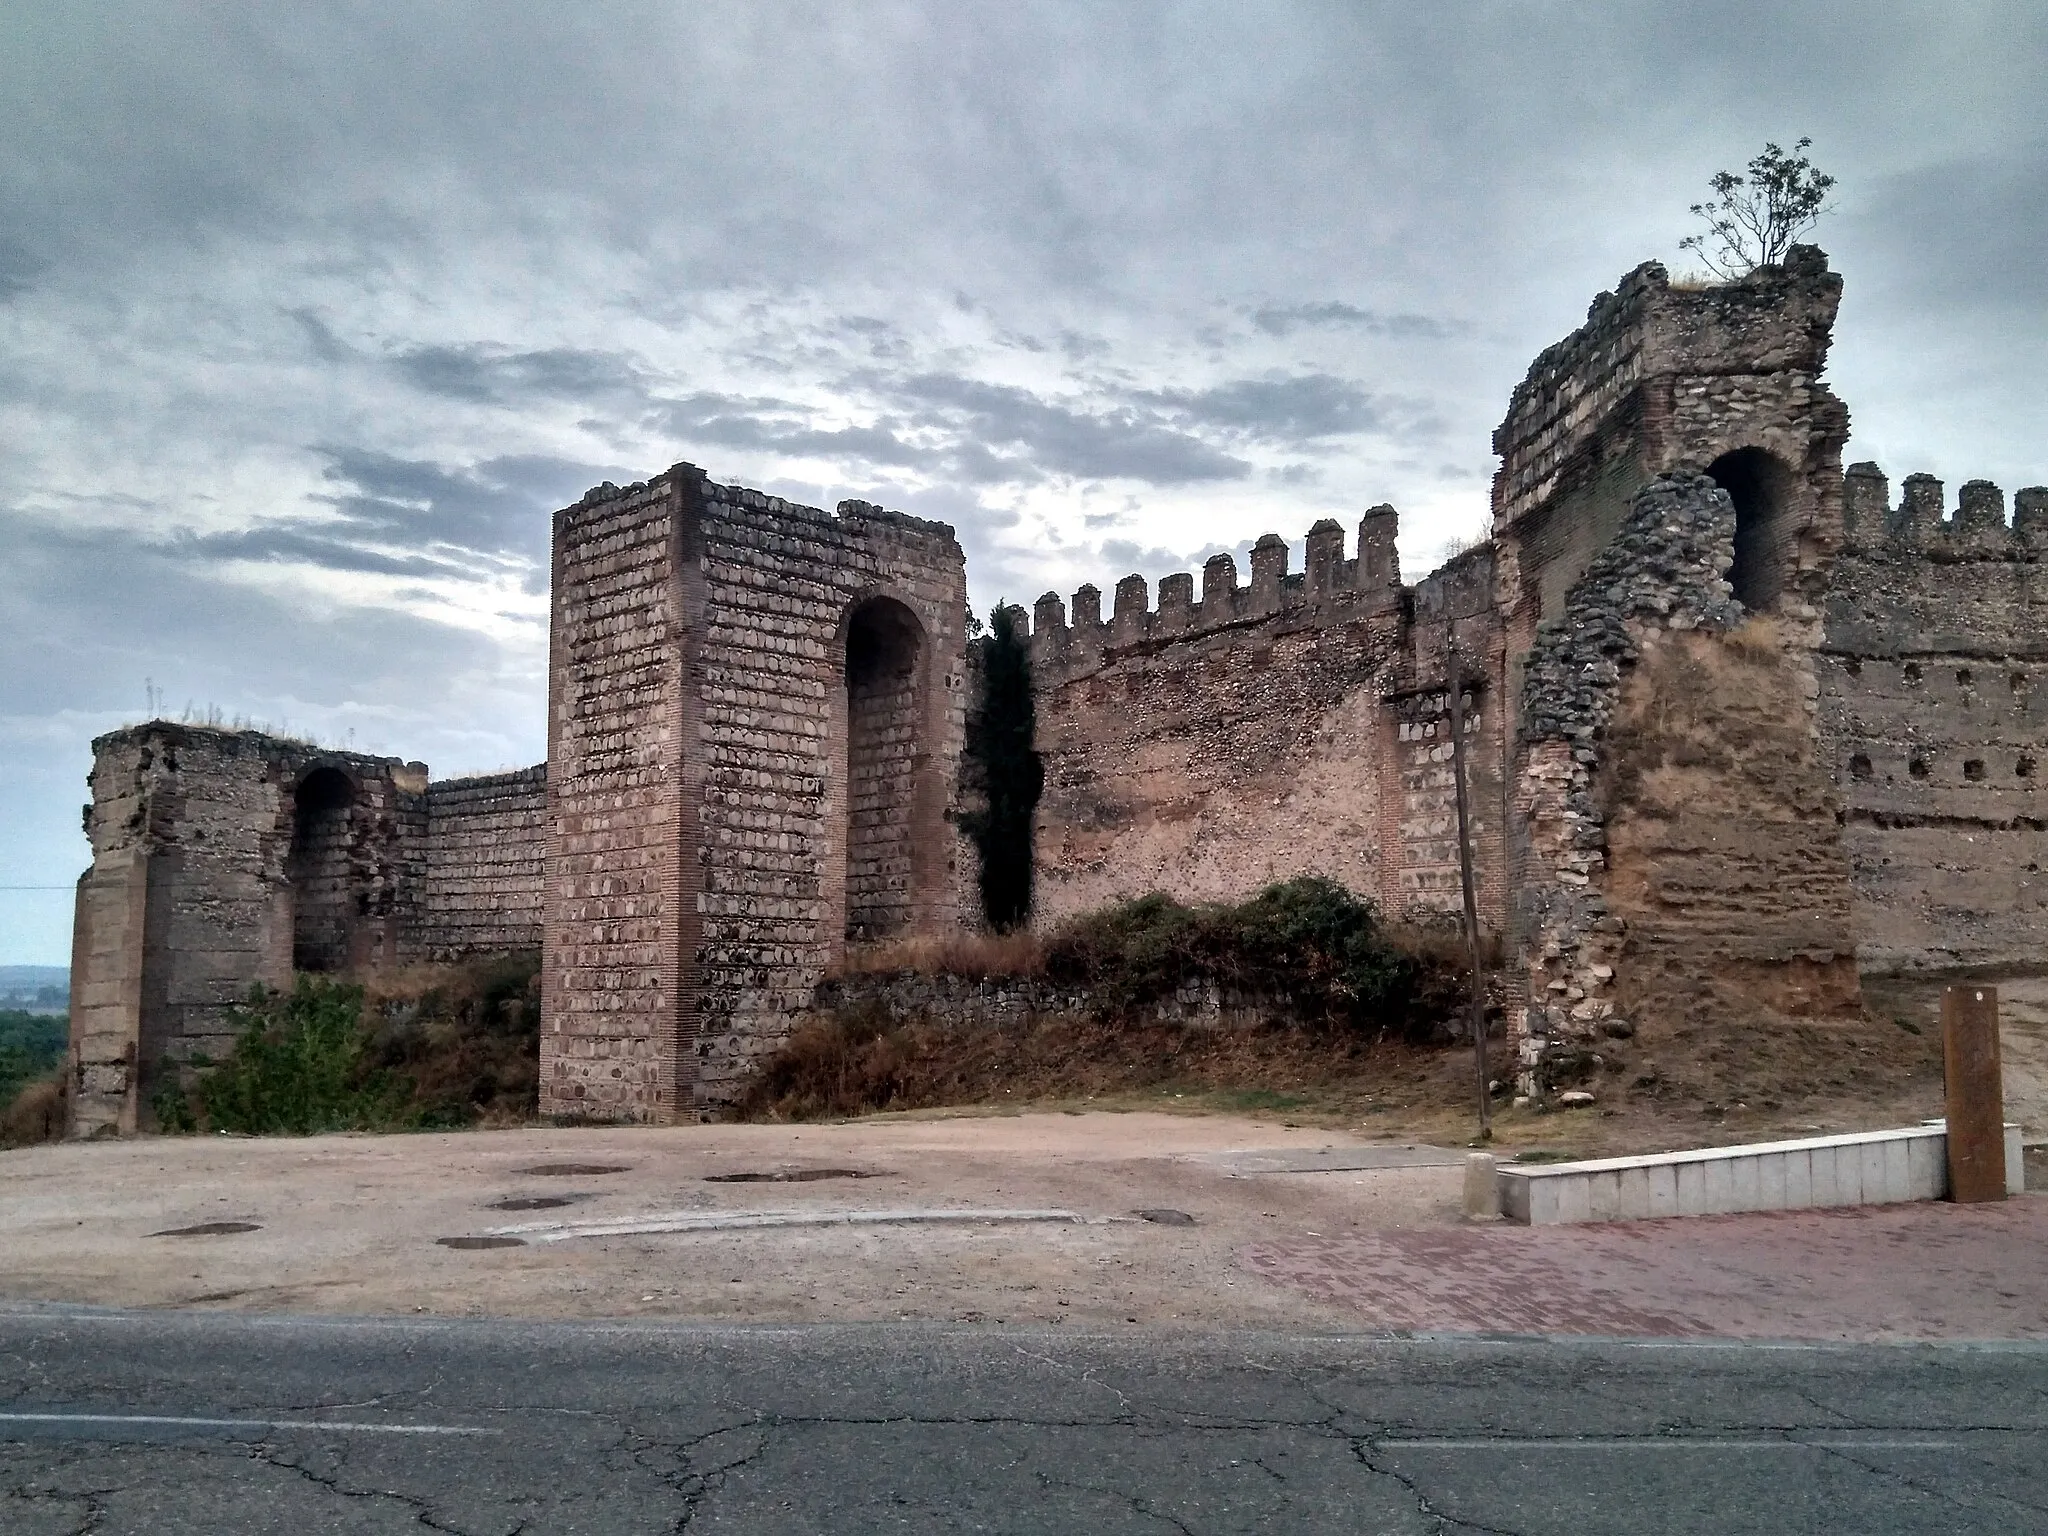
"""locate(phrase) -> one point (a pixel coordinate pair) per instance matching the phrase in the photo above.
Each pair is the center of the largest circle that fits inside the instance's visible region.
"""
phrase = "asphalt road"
(211, 1422)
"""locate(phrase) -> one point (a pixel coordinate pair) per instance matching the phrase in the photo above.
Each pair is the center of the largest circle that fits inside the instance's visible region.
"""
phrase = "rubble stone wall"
(196, 832)
(1934, 704)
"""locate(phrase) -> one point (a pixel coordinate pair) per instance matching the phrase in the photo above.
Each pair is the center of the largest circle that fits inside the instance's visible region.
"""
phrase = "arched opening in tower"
(323, 905)
(1761, 487)
(885, 654)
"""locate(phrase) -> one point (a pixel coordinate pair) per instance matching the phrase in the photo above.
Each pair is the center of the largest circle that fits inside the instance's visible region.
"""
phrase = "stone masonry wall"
(1662, 380)
(1934, 703)
(621, 910)
(1208, 748)
(486, 845)
(189, 899)
(698, 866)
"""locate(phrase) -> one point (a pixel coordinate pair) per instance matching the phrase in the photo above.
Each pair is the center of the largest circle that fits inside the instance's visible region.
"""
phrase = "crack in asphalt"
(266, 1454)
(1364, 1451)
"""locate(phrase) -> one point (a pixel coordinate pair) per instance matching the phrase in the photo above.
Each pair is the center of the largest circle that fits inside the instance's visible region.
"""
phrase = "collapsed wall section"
(755, 729)
(1210, 747)
(1934, 703)
(1668, 471)
(1683, 848)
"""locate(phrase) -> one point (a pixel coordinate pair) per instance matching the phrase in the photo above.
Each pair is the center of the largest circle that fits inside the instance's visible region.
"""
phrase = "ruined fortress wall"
(196, 833)
(1603, 567)
(755, 731)
(481, 866)
(1208, 748)
(1934, 702)
(1456, 606)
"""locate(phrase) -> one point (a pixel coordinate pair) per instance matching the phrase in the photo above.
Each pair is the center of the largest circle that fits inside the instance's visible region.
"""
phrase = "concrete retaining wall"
(1866, 1168)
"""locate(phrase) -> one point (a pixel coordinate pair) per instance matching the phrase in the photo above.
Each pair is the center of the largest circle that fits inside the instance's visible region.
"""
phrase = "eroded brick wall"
(1934, 702)
(486, 845)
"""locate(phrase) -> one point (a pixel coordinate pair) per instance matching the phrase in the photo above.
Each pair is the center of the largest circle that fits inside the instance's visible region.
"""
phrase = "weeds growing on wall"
(999, 751)
(435, 1046)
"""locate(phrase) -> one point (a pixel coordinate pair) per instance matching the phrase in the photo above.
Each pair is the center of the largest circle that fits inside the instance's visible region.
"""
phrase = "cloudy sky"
(310, 313)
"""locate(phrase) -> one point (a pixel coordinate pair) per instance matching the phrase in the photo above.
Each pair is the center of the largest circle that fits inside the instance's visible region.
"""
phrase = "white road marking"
(741, 1221)
(343, 1426)
(1668, 1443)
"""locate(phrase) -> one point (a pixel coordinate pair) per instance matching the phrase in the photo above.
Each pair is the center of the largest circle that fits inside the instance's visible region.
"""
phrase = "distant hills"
(35, 988)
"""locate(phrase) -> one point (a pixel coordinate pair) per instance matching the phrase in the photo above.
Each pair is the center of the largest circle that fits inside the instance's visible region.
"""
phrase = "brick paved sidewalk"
(1927, 1271)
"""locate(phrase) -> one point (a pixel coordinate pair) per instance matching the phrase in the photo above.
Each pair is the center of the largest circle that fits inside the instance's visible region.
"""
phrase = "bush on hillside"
(32, 1049)
(1308, 941)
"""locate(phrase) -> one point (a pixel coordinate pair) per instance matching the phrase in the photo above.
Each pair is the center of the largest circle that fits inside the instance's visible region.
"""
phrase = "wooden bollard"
(1976, 1093)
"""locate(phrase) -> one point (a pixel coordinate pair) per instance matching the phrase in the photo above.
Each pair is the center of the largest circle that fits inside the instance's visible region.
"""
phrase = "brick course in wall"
(486, 844)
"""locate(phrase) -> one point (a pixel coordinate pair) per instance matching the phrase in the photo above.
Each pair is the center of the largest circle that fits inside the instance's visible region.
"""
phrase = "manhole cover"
(1166, 1218)
(481, 1242)
(788, 1176)
(534, 1202)
(571, 1170)
(211, 1229)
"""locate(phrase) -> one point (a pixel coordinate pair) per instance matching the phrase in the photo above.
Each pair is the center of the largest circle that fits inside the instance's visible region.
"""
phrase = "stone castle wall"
(1296, 726)
(755, 725)
(1732, 721)
(1934, 707)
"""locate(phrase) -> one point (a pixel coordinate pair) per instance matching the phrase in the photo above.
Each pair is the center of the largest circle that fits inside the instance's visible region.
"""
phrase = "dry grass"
(36, 1115)
(858, 1061)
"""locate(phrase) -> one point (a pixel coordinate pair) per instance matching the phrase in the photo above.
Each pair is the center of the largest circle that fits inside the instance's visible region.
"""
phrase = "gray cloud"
(1117, 443)
(1285, 319)
(1284, 408)
(491, 375)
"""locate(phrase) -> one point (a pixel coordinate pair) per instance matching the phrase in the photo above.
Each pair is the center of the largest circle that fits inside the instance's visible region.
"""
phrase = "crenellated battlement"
(1331, 589)
(1921, 522)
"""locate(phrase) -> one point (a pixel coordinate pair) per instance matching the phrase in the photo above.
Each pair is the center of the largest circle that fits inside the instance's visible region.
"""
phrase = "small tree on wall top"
(1753, 221)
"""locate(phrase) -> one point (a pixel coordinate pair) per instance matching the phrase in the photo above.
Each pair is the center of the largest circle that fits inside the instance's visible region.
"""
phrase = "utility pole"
(1455, 667)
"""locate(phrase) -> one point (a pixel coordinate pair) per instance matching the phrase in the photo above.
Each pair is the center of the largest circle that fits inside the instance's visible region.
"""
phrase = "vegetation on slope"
(31, 1071)
(1339, 989)
(431, 1047)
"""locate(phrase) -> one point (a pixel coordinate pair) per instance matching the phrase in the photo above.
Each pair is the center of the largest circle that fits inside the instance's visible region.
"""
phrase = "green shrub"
(299, 1066)
(31, 1047)
(1308, 941)
(425, 1047)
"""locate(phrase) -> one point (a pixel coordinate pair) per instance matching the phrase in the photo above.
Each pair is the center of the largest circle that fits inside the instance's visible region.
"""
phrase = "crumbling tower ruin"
(1668, 502)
